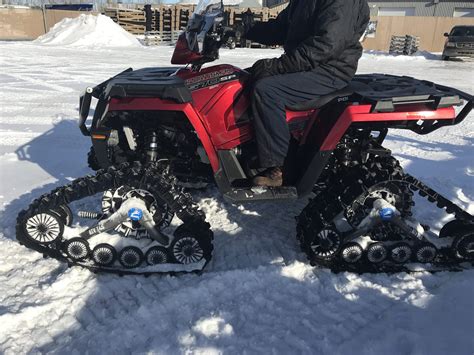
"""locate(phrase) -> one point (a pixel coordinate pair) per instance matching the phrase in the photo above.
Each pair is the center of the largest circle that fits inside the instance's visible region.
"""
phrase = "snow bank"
(88, 30)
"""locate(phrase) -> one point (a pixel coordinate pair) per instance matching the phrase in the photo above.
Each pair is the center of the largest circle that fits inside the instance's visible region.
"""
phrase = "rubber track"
(330, 202)
(154, 177)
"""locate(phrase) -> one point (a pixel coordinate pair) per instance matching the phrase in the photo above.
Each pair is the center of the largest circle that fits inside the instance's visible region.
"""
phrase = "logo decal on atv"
(210, 79)
(386, 214)
(135, 214)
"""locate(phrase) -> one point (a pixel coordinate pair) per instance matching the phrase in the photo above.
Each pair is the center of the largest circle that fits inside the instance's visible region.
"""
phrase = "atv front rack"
(148, 82)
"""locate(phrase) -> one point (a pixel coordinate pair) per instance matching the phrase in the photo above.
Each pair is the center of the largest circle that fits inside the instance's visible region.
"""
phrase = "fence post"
(43, 11)
(148, 17)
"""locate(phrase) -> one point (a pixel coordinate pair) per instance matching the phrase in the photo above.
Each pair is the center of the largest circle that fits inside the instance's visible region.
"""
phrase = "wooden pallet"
(174, 18)
(155, 38)
(133, 28)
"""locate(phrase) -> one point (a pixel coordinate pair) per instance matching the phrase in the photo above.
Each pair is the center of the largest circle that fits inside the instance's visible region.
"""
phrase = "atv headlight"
(450, 45)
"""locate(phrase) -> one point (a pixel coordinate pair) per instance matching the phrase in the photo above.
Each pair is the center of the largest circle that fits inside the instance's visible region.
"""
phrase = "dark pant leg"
(271, 96)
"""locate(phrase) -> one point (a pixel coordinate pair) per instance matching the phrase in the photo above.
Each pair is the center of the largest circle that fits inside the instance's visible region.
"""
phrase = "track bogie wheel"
(377, 253)
(130, 257)
(104, 254)
(157, 255)
(77, 249)
(425, 253)
(400, 253)
(352, 252)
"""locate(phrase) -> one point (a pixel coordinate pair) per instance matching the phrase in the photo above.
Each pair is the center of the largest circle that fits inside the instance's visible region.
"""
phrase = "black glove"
(265, 67)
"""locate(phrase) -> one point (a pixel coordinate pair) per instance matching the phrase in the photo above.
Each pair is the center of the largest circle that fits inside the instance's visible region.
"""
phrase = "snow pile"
(88, 30)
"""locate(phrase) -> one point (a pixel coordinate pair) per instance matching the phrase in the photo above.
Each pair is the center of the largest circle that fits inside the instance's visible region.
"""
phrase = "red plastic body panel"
(152, 104)
(215, 113)
(219, 112)
(222, 106)
(362, 113)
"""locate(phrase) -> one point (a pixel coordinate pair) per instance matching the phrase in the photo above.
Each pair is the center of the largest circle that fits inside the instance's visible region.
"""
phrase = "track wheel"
(130, 257)
(187, 250)
(77, 249)
(425, 253)
(44, 228)
(326, 244)
(400, 253)
(64, 213)
(191, 243)
(454, 228)
(376, 253)
(351, 252)
(464, 246)
(104, 254)
(156, 255)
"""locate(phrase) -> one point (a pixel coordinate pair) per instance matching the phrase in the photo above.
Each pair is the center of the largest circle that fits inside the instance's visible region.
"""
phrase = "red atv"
(159, 131)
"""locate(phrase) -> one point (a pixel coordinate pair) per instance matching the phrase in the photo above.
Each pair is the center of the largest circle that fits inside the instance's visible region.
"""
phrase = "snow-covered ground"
(258, 295)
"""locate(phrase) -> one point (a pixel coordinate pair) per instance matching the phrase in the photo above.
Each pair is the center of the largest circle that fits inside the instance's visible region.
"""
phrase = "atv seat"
(321, 101)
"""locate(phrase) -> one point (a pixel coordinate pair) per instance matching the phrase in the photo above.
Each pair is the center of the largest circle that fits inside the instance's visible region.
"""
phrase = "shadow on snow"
(257, 295)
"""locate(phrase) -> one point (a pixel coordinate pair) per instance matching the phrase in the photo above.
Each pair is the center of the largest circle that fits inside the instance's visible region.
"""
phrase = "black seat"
(321, 101)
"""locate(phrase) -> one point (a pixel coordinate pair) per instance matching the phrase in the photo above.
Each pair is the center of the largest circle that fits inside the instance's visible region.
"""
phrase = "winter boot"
(272, 177)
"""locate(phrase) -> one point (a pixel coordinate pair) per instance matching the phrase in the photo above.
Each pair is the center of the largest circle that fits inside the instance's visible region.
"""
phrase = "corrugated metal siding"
(272, 3)
(422, 7)
(446, 8)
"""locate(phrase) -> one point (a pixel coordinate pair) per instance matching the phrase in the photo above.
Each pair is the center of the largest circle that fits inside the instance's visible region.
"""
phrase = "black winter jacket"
(317, 34)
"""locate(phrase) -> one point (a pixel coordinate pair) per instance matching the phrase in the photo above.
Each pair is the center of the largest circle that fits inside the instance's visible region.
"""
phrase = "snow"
(258, 295)
(88, 31)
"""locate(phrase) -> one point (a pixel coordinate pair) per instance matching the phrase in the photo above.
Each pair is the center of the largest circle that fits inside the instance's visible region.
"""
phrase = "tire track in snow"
(41, 83)
(23, 138)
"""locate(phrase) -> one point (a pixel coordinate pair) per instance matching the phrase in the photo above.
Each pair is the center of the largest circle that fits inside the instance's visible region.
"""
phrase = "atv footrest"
(261, 194)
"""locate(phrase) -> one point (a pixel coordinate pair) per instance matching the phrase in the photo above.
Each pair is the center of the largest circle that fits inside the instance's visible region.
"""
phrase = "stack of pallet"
(112, 13)
(404, 45)
(163, 23)
(182, 15)
(260, 14)
(132, 20)
(412, 44)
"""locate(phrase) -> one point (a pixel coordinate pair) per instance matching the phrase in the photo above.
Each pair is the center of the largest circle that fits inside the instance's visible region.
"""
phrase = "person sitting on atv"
(322, 49)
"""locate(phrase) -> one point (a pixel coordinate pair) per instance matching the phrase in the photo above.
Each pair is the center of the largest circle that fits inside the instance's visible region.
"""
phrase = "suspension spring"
(88, 214)
(151, 146)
